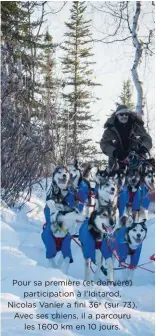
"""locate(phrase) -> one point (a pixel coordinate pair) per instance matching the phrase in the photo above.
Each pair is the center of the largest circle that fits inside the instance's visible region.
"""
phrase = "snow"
(23, 259)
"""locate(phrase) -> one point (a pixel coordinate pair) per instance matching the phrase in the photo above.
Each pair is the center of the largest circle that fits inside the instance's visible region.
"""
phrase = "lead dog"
(59, 186)
(59, 196)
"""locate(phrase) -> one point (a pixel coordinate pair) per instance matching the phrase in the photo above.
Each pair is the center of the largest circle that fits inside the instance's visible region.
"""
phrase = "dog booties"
(51, 244)
(123, 249)
(89, 244)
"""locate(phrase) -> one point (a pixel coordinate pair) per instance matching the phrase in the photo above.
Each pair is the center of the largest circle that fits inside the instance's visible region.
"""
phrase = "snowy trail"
(23, 258)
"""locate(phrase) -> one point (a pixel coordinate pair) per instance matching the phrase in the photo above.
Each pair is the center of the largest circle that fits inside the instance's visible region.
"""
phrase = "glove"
(142, 150)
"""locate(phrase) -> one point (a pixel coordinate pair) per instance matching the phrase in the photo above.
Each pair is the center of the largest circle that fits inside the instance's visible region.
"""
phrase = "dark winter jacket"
(112, 139)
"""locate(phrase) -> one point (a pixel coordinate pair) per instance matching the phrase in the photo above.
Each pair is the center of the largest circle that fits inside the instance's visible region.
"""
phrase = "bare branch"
(113, 41)
(59, 10)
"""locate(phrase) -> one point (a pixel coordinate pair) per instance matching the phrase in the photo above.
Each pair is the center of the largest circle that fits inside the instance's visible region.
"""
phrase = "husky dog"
(59, 198)
(120, 175)
(134, 199)
(140, 183)
(75, 174)
(147, 170)
(102, 221)
(147, 186)
(94, 242)
(107, 192)
(59, 186)
(56, 236)
(149, 179)
(66, 221)
(88, 188)
(133, 179)
(102, 175)
(129, 241)
(128, 199)
(90, 173)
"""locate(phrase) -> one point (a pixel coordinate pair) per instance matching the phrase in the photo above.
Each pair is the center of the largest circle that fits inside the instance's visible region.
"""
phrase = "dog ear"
(143, 224)
(130, 222)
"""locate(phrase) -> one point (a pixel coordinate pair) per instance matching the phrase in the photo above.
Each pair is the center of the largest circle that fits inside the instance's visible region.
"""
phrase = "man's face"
(123, 117)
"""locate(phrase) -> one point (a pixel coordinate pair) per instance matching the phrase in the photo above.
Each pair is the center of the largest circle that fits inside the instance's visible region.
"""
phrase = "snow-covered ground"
(23, 259)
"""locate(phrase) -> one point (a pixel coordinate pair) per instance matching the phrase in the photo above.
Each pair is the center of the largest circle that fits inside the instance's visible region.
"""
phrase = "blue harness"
(89, 244)
(72, 199)
(123, 249)
(121, 246)
(84, 194)
(50, 243)
(141, 198)
(49, 240)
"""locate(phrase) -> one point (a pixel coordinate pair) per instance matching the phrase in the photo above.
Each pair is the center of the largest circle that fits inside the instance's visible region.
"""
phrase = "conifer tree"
(126, 94)
(78, 84)
(49, 94)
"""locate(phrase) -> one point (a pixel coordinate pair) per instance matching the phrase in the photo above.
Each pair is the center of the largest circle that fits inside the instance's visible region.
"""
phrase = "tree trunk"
(138, 54)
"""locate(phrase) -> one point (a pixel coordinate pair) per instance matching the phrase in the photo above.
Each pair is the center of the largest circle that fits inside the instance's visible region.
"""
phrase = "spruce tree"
(49, 89)
(78, 84)
(126, 94)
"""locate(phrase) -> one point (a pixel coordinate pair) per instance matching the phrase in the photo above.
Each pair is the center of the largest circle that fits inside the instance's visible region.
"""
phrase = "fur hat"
(122, 109)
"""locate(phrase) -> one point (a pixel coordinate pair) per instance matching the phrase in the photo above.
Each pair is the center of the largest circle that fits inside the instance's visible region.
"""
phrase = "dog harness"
(53, 245)
(138, 199)
(70, 200)
(98, 244)
(131, 196)
(84, 194)
(58, 241)
(89, 244)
